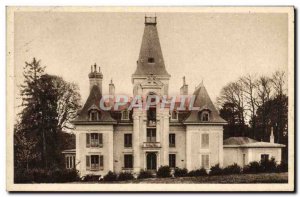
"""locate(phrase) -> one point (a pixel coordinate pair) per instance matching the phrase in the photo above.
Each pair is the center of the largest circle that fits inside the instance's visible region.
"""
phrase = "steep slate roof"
(150, 48)
(93, 101)
(204, 102)
(245, 142)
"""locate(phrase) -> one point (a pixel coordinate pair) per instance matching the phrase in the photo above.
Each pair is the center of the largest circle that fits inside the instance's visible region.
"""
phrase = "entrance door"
(151, 161)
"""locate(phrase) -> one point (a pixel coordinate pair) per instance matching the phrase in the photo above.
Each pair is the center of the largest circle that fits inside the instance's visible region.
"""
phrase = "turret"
(95, 77)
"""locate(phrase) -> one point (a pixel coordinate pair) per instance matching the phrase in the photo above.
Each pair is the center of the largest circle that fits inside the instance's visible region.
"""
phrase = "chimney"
(184, 89)
(272, 136)
(111, 88)
(95, 77)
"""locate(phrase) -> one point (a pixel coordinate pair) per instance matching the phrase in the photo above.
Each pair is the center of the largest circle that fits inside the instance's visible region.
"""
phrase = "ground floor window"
(205, 161)
(70, 161)
(94, 162)
(264, 157)
(172, 160)
(128, 161)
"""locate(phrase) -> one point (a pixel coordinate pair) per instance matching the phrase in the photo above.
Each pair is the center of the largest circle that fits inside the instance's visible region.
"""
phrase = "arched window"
(94, 115)
(125, 114)
(204, 116)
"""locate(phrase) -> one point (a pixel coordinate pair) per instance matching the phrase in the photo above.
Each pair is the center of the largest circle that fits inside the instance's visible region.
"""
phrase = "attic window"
(151, 60)
(94, 115)
(204, 116)
(125, 115)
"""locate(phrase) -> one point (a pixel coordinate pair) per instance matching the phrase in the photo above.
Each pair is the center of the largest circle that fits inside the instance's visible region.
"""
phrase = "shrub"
(268, 165)
(110, 176)
(282, 167)
(91, 177)
(145, 174)
(180, 172)
(199, 172)
(216, 170)
(232, 169)
(46, 176)
(252, 167)
(123, 176)
(164, 171)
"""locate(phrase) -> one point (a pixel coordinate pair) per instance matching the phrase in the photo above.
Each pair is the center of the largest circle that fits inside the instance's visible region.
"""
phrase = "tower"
(95, 77)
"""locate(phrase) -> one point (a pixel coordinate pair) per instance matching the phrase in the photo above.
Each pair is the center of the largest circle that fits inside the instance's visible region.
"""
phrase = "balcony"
(151, 145)
(151, 123)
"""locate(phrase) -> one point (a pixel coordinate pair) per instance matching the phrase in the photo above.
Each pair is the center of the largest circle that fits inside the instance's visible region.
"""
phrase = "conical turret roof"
(150, 58)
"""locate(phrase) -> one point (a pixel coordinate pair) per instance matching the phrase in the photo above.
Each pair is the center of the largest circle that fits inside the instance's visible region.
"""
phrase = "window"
(205, 161)
(172, 160)
(94, 140)
(151, 60)
(94, 162)
(205, 116)
(264, 157)
(172, 141)
(125, 115)
(70, 161)
(151, 135)
(94, 115)
(174, 115)
(205, 140)
(127, 140)
(128, 161)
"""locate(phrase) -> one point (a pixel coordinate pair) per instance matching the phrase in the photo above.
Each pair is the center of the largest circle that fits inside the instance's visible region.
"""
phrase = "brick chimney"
(184, 89)
(272, 136)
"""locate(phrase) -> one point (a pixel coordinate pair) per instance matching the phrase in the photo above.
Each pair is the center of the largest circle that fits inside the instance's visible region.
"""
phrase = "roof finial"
(95, 66)
(91, 68)
(183, 80)
(111, 81)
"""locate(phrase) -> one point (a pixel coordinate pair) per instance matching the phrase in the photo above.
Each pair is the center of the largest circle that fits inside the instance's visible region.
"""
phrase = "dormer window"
(94, 115)
(151, 60)
(125, 115)
(174, 115)
(204, 116)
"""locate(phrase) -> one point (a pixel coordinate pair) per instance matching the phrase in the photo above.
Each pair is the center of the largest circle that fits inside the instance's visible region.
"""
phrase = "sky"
(215, 48)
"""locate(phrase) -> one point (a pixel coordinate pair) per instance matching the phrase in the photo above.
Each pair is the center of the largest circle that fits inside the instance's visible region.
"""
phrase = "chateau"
(134, 140)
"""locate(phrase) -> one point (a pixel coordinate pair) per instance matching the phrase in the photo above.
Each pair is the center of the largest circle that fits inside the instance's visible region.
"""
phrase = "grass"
(238, 178)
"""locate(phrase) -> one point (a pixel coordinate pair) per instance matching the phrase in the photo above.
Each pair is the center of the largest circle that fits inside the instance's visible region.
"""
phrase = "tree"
(49, 104)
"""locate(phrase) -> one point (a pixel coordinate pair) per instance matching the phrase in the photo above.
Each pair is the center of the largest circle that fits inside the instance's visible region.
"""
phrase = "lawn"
(241, 178)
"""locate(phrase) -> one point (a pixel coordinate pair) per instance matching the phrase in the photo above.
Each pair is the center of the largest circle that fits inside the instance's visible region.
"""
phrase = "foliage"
(216, 170)
(199, 172)
(232, 169)
(180, 172)
(45, 176)
(164, 171)
(91, 177)
(123, 176)
(282, 167)
(48, 105)
(110, 176)
(145, 174)
(252, 167)
(268, 165)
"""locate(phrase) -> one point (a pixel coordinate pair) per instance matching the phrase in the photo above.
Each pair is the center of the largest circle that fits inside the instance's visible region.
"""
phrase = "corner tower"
(150, 63)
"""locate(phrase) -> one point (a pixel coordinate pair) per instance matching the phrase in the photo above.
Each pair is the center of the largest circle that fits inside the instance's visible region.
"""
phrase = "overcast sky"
(215, 48)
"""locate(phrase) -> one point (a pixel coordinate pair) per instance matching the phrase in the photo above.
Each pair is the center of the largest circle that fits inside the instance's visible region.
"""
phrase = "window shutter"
(101, 161)
(100, 137)
(88, 139)
(88, 162)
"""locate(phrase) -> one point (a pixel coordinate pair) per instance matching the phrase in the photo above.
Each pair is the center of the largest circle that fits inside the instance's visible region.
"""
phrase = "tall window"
(174, 115)
(172, 141)
(94, 140)
(172, 160)
(151, 135)
(70, 161)
(128, 161)
(94, 162)
(205, 140)
(205, 161)
(128, 140)
(125, 115)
